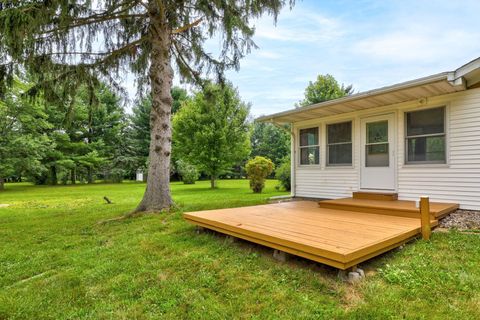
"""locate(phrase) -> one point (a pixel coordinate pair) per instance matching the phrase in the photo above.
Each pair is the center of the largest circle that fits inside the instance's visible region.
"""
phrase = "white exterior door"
(378, 153)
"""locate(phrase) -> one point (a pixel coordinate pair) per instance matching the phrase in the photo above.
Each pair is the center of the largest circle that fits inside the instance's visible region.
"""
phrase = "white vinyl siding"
(324, 181)
(327, 184)
(458, 180)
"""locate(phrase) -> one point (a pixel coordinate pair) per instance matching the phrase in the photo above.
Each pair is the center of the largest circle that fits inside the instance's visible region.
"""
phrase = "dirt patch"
(351, 297)
(462, 220)
(4, 205)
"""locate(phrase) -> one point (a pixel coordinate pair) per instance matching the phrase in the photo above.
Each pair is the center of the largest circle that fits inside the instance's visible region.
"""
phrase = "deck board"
(336, 237)
(397, 207)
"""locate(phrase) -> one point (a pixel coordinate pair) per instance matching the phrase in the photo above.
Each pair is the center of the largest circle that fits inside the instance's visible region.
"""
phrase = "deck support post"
(425, 217)
(351, 275)
(199, 229)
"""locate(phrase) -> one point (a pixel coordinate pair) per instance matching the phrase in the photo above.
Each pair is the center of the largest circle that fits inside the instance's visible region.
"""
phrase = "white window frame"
(300, 147)
(444, 134)
(327, 145)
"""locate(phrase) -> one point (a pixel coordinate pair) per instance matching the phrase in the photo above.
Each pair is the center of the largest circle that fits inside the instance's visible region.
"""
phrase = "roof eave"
(358, 96)
(463, 78)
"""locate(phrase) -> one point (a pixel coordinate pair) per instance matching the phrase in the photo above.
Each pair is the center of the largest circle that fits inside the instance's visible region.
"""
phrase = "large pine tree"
(67, 43)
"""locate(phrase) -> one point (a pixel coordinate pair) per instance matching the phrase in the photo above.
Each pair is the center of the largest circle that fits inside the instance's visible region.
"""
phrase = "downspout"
(457, 81)
(292, 155)
(293, 159)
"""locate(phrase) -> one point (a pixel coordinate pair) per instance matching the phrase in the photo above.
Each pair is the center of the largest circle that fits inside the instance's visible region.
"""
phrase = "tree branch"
(179, 55)
(90, 20)
(107, 55)
(75, 53)
(188, 26)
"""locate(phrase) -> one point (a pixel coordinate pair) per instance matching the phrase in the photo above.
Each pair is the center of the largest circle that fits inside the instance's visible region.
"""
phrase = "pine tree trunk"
(2, 184)
(157, 194)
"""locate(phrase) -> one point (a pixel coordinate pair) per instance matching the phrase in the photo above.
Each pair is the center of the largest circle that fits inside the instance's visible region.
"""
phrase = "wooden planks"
(401, 208)
(338, 238)
(375, 195)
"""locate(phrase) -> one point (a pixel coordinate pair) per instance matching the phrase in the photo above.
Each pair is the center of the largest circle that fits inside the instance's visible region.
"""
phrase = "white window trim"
(346, 165)
(299, 156)
(446, 122)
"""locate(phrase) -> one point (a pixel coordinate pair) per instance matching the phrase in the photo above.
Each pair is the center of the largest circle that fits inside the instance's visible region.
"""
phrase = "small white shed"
(139, 175)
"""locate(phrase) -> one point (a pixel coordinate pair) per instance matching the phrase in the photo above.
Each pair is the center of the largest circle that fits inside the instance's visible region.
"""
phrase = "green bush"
(283, 174)
(257, 170)
(188, 172)
(117, 175)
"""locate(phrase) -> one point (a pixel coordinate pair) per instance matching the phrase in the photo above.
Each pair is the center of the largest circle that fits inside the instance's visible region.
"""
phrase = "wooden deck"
(401, 208)
(339, 238)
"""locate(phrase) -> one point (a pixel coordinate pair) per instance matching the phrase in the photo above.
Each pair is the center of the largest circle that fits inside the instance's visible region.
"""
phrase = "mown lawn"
(57, 262)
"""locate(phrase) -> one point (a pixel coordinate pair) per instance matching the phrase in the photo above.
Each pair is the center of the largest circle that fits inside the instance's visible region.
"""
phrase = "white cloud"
(417, 46)
(267, 54)
(299, 26)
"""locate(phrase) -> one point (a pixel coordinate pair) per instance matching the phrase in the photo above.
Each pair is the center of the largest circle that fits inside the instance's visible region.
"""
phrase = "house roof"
(463, 78)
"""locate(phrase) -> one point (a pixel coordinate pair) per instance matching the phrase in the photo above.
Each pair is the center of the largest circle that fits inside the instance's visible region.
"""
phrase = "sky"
(368, 44)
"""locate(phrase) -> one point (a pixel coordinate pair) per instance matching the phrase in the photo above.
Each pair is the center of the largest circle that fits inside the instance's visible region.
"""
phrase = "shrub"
(283, 174)
(117, 175)
(188, 172)
(257, 170)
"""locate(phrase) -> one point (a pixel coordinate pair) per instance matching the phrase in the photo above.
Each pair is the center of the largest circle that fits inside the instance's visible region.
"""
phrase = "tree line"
(89, 139)
(70, 45)
(67, 44)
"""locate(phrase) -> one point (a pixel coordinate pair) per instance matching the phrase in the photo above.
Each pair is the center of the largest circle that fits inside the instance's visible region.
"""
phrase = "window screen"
(309, 148)
(339, 144)
(425, 136)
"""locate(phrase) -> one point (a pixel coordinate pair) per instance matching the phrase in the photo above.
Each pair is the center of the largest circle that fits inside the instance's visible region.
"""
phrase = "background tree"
(211, 131)
(270, 141)
(187, 172)
(283, 174)
(86, 136)
(179, 96)
(325, 88)
(140, 124)
(22, 146)
(68, 43)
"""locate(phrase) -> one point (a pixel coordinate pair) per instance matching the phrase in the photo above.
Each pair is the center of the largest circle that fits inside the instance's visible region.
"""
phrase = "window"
(425, 136)
(377, 146)
(309, 149)
(339, 144)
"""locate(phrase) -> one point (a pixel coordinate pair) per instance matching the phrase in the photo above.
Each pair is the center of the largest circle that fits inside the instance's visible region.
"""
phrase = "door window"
(376, 147)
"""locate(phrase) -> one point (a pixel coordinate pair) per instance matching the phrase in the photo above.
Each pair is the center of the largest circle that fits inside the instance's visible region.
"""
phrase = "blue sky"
(365, 43)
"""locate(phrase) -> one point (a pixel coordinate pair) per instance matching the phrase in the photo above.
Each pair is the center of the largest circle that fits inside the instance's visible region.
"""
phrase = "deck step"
(386, 196)
(399, 208)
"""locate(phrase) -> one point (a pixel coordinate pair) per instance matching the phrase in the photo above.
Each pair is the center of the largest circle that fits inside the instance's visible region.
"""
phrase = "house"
(406, 141)
(420, 137)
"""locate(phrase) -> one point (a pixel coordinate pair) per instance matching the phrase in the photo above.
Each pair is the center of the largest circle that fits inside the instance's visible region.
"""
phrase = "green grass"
(57, 262)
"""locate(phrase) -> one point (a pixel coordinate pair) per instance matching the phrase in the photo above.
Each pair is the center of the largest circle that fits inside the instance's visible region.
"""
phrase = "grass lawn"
(57, 262)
